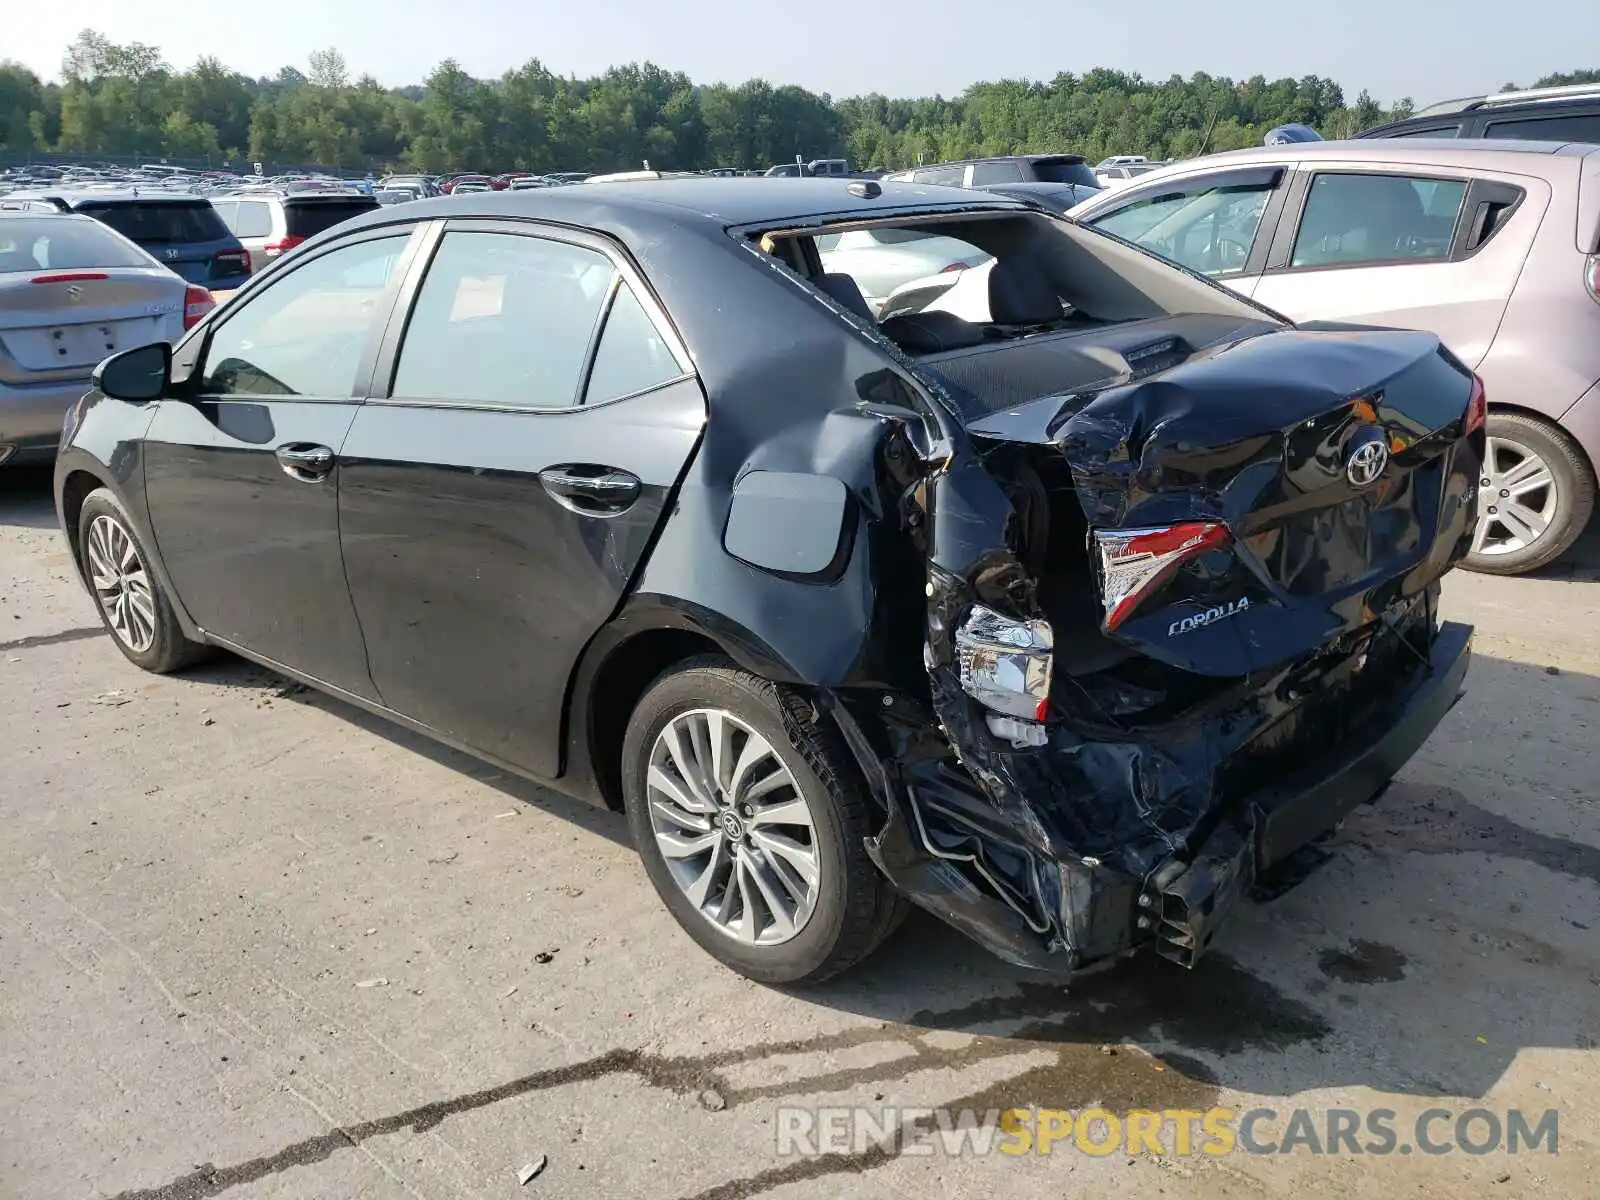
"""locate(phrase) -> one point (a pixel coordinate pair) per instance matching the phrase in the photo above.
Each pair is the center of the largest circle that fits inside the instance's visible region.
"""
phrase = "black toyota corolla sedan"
(1072, 625)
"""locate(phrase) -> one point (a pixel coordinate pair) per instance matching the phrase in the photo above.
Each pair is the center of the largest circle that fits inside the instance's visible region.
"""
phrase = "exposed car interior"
(1052, 294)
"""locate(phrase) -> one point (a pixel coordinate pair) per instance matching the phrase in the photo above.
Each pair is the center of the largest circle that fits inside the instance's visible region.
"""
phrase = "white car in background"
(882, 259)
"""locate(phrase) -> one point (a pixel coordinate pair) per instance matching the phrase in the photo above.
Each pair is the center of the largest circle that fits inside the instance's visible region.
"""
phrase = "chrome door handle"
(305, 462)
(600, 490)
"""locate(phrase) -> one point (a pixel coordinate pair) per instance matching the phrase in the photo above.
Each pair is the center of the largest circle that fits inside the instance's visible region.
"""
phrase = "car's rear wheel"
(750, 818)
(1536, 495)
(135, 609)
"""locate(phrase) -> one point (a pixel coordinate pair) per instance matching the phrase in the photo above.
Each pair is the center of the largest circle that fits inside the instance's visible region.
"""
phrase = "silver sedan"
(73, 291)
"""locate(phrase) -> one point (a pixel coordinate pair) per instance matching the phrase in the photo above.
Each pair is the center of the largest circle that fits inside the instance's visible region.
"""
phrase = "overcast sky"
(1425, 49)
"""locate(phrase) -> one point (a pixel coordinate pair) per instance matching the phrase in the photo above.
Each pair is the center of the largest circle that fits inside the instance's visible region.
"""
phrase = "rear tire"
(799, 913)
(133, 605)
(1526, 451)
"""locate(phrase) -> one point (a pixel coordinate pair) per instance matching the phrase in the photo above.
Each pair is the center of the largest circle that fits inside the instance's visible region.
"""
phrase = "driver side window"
(1209, 228)
(303, 335)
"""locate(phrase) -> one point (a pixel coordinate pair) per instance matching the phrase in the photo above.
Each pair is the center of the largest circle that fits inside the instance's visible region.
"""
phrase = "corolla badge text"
(1200, 620)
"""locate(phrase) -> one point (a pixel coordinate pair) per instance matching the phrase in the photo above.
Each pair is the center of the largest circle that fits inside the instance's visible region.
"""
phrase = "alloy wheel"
(1517, 498)
(733, 827)
(121, 584)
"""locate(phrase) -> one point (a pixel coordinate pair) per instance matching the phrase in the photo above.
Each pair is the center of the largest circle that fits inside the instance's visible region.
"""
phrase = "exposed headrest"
(1019, 294)
(846, 291)
(927, 332)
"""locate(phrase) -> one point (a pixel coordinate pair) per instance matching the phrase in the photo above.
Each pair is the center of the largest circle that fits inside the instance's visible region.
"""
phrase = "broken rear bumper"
(1003, 877)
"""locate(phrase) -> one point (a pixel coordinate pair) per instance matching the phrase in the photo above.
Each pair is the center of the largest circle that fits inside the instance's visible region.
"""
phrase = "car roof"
(1502, 153)
(713, 202)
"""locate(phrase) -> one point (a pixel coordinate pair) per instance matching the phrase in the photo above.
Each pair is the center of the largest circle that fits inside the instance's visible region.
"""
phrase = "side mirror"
(138, 376)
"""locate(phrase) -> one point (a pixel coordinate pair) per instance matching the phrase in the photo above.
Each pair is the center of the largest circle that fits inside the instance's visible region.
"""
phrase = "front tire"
(133, 605)
(750, 818)
(1536, 495)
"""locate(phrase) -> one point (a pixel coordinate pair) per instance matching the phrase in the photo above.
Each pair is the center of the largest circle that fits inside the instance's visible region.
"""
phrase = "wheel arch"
(74, 489)
(78, 475)
(621, 663)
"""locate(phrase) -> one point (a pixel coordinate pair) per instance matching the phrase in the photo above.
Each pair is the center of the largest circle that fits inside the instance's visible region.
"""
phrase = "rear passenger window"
(503, 319)
(943, 176)
(632, 355)
(1355, 219)
(1571, 128)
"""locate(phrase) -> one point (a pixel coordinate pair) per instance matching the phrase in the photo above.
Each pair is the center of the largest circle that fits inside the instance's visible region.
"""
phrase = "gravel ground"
(254, 943)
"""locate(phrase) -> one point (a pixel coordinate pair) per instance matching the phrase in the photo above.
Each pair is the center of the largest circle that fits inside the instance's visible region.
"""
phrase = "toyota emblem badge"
(1366, 462)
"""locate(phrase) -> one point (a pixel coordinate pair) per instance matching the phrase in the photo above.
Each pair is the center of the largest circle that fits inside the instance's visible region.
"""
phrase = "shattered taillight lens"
(1005, 663)
(1135, 562)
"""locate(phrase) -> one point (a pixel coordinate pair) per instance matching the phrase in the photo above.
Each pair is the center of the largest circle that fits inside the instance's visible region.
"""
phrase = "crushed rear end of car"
(1179, 625)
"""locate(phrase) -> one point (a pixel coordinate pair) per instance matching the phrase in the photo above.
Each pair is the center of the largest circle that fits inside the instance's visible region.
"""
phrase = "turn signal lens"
(1135, 562)
(1005, 663)
(1477, 407)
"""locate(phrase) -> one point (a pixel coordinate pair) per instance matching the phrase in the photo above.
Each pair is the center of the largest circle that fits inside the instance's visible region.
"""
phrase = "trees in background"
(123, 99)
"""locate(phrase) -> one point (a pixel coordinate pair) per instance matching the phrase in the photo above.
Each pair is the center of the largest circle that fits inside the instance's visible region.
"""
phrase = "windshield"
(1059, 170)
(57, 243)
(160, 223)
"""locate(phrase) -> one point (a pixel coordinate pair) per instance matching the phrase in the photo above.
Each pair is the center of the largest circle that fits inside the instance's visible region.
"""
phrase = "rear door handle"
(306, 462)
(591, 489)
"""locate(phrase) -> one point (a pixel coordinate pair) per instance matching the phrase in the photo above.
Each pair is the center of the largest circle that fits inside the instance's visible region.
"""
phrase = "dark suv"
(1554, 114)
(182, 233)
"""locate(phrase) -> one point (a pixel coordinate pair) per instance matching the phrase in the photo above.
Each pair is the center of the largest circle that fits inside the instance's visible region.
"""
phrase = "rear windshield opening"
(991, 277)
(1007, 305)
(310, 217)
(160, 223)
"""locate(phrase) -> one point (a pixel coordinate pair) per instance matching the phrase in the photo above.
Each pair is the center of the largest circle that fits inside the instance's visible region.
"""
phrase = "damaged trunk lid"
(1262, 498)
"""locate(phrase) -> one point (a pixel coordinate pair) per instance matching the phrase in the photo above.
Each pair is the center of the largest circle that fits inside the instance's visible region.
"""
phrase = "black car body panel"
(1157, 789)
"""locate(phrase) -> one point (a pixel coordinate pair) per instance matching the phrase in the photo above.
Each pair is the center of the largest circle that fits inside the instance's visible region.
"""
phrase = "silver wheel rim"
(1516, 501)
(121, 584)
(733, 827)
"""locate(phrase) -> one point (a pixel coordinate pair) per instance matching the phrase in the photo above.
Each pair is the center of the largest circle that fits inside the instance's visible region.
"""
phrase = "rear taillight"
(1135, 562)
(71, 277)
(1477, 407)
(286, 243)
(230, 262)
(955, 266)
(197, 302)
(1591, 275)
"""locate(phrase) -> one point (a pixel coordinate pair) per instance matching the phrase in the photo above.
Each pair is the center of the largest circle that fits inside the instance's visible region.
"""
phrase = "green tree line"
(125, 100)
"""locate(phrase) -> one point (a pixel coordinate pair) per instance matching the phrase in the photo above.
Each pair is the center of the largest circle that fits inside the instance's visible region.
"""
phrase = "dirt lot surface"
(254, 943)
